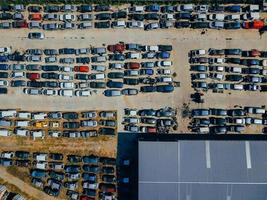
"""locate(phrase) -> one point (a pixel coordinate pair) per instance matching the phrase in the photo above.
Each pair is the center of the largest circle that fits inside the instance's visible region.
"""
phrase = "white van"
(25, 115)
(37, 134)
(7, 154)
(5, 132)
(41, 157)
(238, 87)
(41, 165)
(8, 113)
(204, 130)
(66, 92)
(165, 63)
(99, 68)
(152, 48)
(22, 132)
(39, 116)
(22, 123)
(98, 76)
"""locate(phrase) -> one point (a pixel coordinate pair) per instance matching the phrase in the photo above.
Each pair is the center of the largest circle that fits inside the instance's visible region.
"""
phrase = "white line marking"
(207, 148)
(228, 197)
(192, 182)
(248, 156)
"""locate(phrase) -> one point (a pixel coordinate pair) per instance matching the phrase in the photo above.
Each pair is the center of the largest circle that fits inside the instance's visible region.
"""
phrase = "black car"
(67, 51)
(200, 25)
(22, 154)
(3, 90)
(6, 16)
(119, 15)
(3, 74)
(32, 67)
(56, 156)
(18, 83)
(233, 60)
(137, 17)
(51, 192)
(74, 159)
(114, 84)
(23, 163)
(233, 52)
(16, 56)
(148, 89)
(85, 8)
(71, 125)
(100, 8)
(82, 76)
(97, 84)
(50, 52)
(233, 77)
(35, 84)
(50, 68)
(50, 84)
(151, 16)
(52, 8)
(34, 9)
(131, 81)
(6, 7)
(105, 24)
(182, 24)
(115, 75)
(83, 60)
(70, 115)
(103, 16)
(165, 47)
(106, 131)
(107, 170)
(51, 75)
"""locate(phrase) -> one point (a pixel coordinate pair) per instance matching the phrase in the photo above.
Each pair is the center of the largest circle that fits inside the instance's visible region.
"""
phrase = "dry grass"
(20, 173)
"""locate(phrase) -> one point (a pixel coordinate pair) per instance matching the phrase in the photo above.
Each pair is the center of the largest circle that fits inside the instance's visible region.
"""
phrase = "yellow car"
(41, 124)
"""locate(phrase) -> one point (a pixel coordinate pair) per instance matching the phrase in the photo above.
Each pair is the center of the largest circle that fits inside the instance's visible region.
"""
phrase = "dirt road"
(24, 186)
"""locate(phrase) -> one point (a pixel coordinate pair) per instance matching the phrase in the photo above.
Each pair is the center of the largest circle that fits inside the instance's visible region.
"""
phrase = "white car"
(67, 17)
(18, 74)
(118, 24)
(152, 48)
(138, 9)
(3, 83)
(50, 92)
(164, 71)
(133, 55)
(164, 63)
(67, 85)
(7, 154)
(67, 93)
(65, 77)
(83, 93)
(216, 17)
(135, 24)
(67, 69)
(164, 79)
(151, 26)
(5, 50)
(198, 52)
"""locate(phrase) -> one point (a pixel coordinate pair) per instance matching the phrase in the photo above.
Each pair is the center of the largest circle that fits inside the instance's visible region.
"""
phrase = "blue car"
(200, 112)
(37, 173)
(165, 88)
(72, 168)
(153, 8)
(3, 58)
(232, 25)
(163, 55)
(114, 84)
(6, 162)
(4, 67)
(146, 72)
(90, 159)
(233, 9)
(89, 177)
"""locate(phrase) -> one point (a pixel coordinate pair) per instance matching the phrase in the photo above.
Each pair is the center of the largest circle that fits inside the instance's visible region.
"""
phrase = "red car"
(255, 53)
(256, 24)
(120, 47)
(83, 68)
(83, 197)
(35, 17)
(33, 76)
(132, 65)
(20, 24)
(106, 187)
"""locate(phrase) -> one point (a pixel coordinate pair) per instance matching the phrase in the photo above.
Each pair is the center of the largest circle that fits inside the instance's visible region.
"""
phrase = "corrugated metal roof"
(194, 170)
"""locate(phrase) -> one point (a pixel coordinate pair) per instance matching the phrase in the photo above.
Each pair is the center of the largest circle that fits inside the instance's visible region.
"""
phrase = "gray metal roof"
(198, 170)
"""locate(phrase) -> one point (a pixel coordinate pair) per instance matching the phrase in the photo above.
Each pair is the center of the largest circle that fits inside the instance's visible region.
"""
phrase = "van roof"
(4, 132)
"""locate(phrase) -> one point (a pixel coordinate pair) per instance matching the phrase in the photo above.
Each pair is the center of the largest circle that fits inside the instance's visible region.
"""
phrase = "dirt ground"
(182, 40)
